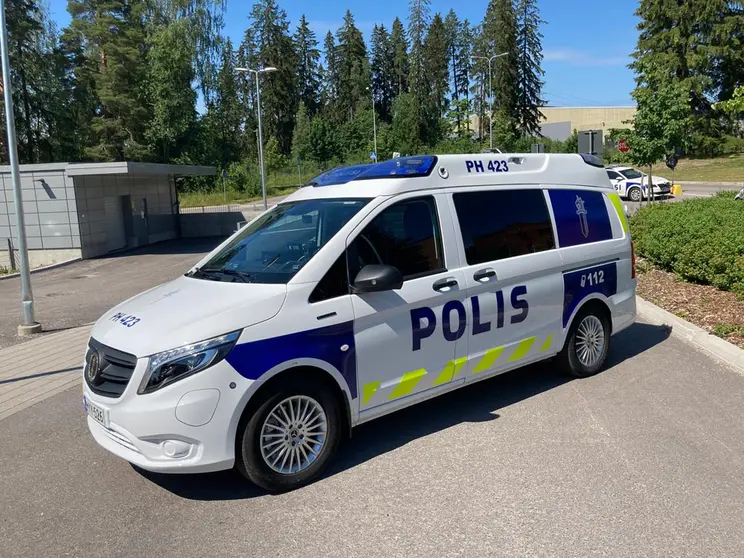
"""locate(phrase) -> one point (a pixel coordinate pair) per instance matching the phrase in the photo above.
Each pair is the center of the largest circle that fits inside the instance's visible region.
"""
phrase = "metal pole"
(260, 145)
(374, 126)
(490, 93)
(28, 325)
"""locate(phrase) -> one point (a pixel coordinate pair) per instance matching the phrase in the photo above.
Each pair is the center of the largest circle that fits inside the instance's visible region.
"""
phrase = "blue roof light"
(402, 167)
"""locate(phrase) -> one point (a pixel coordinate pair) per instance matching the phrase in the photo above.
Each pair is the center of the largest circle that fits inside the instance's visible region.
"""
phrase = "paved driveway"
(644, 459)
(79, 293)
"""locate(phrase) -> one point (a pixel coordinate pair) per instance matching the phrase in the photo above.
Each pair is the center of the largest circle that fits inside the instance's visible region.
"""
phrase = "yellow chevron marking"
(450, 371)
(407, 383)
(522, 349)
(545, 346)
(615, 199)
(488, 359)
(369, 390)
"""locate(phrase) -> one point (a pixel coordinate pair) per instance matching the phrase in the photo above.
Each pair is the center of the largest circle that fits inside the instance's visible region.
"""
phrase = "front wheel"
(290, 438)
(635, 194)
(587, 344)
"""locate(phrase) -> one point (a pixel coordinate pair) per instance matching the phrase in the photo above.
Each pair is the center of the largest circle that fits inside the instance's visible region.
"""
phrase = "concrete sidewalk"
(40, 368)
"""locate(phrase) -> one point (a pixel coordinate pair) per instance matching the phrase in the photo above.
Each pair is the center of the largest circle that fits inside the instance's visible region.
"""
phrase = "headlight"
(170, 366)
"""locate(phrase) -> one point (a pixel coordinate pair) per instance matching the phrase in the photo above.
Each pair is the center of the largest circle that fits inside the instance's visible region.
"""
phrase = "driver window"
(405, 235)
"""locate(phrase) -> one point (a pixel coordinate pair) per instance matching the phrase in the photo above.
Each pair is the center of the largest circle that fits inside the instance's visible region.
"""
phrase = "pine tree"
(353, 67)
(308, 66)
(500, 34)
(301, 147)
(113, 32)
(529, 71)
(383, 78)
(224, 116)
(460, 44)
(399, 47)
(689, 43)
(331, 75)
(418, 23)
(24, 27)
(274, 47)
(436, 79)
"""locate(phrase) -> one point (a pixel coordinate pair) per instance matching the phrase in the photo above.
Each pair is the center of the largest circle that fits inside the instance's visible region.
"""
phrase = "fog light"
(176, 448)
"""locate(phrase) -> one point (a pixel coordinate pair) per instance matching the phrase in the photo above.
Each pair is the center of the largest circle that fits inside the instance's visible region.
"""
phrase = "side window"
(405, 235)
(498, 224)
(612, 175)
(335, 282)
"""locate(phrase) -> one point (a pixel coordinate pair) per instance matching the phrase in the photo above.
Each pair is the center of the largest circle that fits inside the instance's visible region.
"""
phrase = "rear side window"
(500, 224)
(580, 216)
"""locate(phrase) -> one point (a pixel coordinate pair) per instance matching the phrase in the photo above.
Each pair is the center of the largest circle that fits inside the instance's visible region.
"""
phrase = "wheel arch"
(596, 300)
(306, 369)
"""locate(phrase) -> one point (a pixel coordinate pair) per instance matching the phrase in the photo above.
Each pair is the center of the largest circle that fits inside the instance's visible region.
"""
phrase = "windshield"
(631, 173)
(276, 246)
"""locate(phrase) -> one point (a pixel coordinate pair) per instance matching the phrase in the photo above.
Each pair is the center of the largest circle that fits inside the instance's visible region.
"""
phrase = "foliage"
(382, 62)
(734, 105)
(308, 66)
(418, 22)
(436, 80)
(500, 35)
(353, 68)
(702, 240)
(399, 46)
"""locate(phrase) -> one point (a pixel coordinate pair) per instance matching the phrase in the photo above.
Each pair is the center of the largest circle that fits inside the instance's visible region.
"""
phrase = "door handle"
(443, 284)
(484, 274)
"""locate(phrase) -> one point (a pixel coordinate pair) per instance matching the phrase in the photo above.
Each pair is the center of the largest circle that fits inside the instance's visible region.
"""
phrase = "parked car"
(632, 184)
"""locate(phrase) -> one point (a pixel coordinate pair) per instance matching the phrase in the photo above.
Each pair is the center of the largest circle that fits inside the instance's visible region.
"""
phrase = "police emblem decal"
(581, 212)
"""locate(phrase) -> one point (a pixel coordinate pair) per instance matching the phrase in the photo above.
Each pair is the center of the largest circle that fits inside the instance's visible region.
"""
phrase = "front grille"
(115, 369)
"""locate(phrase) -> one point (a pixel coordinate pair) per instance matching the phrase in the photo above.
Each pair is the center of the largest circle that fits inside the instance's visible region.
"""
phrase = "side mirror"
(375, 278)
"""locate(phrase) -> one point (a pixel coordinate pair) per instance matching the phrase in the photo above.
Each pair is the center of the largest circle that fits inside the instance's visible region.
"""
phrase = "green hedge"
(702, 240)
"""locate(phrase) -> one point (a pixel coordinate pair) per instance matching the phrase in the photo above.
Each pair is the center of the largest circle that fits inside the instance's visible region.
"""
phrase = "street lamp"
(28, 325)
(374, 122)
(260, 138)
(490, 87)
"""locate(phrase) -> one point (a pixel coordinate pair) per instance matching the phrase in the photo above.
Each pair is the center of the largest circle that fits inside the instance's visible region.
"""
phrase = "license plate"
(98, 414)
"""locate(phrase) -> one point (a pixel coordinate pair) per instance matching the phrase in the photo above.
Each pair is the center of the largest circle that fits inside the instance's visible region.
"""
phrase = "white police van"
(370, 289)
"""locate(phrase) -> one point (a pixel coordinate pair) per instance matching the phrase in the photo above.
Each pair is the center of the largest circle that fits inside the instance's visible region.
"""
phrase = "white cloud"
(575, 57)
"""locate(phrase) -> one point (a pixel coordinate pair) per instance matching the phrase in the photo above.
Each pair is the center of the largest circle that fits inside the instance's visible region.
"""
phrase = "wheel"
(587, 344)
(635, 194)
(291, 437)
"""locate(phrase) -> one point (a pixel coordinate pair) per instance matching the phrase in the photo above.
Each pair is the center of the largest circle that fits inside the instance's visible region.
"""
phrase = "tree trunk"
(650, 185)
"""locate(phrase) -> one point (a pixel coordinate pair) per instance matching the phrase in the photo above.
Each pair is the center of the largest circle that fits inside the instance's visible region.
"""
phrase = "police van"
(368, 290)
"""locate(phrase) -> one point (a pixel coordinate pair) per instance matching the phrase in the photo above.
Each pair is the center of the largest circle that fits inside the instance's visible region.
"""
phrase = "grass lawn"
(216, 197)
(721, 169)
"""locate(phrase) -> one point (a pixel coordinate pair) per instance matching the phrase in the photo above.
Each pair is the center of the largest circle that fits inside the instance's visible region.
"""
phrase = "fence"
(229, 208)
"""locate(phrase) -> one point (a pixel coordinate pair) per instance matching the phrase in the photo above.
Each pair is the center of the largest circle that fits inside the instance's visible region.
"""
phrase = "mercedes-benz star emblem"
(94, 367)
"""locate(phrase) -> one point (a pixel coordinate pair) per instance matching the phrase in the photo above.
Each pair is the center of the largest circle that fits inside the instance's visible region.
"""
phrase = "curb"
(39, 269)
(713, 346)
(722, 184)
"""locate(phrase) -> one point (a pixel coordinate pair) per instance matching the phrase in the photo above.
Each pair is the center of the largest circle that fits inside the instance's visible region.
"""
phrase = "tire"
(635, 194)
(274, 472)
(592, 323)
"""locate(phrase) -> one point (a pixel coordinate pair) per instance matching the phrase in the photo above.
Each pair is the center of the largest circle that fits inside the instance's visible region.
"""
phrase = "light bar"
(402, 167)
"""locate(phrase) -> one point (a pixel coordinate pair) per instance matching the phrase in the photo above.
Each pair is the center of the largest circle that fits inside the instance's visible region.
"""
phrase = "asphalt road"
(644, 459)
(79, 293)
(689, 191)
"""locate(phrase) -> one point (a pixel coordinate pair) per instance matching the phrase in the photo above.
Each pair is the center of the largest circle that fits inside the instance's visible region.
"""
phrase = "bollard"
(676, 189)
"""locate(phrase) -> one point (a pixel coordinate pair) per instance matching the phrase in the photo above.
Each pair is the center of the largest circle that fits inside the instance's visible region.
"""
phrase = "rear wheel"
(587, 344)
(291, 437)
(635, 194)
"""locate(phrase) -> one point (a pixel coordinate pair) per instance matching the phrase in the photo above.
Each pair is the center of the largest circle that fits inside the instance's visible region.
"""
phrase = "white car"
(632, 184)
(368, 290)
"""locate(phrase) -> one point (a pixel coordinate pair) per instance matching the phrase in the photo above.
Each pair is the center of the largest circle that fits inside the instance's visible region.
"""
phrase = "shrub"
(702, 240)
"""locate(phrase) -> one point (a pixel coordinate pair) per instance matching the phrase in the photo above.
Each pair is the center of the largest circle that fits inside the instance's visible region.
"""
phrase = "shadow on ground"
(177, 246)
(474, 403)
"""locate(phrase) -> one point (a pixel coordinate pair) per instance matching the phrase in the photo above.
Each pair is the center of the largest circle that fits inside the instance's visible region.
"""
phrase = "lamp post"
(490, 88)
(260, 138)
(374, 122)
(28, 325)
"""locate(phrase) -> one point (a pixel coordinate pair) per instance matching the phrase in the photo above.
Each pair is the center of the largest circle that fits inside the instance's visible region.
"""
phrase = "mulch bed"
(718, 312)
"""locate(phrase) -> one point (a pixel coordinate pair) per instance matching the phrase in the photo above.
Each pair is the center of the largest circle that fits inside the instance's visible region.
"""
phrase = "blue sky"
(586, 45)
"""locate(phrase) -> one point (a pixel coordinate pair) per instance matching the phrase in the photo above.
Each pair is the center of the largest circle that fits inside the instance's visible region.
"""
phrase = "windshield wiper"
(210, 272)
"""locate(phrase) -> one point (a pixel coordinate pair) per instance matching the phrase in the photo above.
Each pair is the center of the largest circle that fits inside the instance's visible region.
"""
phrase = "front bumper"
(186, 427)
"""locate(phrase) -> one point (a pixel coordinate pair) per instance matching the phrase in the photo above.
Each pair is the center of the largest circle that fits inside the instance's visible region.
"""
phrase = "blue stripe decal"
(255, 358)
(577, 285)
(580, 217)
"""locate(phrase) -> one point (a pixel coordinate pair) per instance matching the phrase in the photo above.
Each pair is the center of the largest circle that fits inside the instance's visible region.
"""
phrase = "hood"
(185, 311)
(658, 180)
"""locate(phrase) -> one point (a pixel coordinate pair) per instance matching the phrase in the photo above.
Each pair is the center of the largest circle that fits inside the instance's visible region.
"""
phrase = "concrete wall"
(589, 118)
(40, 258)
(148, 210)
(194, 225)
(49, 208)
